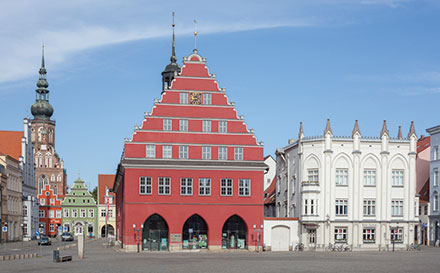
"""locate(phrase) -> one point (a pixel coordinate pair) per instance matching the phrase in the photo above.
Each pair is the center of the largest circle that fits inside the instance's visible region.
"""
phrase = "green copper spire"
(42, 109)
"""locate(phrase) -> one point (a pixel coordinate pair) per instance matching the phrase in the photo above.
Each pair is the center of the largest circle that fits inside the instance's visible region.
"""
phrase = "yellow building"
(105, 181)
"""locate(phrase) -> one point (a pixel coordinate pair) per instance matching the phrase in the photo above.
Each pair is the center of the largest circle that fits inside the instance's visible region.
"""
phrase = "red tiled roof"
(424, 192)
(10, 143)
(423, 143)
(270, 192)
(105, 180)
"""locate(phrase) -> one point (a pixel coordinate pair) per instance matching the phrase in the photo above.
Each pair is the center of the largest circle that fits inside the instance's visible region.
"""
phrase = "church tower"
(49, 166)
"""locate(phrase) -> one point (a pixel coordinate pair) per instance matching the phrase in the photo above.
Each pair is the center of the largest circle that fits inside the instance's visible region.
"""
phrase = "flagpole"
(106, 214)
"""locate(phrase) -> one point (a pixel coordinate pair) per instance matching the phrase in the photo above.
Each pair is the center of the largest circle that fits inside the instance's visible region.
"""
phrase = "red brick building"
(50, 211)
(192, 174)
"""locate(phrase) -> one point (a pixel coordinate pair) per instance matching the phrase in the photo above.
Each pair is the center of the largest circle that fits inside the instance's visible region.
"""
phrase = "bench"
(66, 259)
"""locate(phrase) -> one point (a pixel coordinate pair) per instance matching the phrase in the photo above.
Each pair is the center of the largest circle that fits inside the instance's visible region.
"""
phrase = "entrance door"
(154, 240)
(234, 233)
(280, 238)
(155, 234)
(195, 233)
(311, 234)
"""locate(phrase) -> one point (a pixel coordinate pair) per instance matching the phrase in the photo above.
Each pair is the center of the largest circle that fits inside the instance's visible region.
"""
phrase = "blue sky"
(282, 62)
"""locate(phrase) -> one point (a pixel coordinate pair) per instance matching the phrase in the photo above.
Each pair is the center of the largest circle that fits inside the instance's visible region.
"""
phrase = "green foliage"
(95, 194)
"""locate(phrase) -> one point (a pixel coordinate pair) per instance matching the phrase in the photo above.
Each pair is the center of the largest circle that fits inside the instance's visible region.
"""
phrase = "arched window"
(40, 133)
(435, 206)
(50, 135)
(59, 178)
(52, 177)
(55, 190)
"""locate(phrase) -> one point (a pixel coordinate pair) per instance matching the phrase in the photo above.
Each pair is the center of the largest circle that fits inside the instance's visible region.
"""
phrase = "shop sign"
(175, 237)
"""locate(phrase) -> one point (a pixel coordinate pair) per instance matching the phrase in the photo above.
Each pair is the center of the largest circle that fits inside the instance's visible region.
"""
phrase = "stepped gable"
(195, 80)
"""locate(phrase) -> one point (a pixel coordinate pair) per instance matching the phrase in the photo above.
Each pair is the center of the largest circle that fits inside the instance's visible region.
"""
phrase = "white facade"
(270, 174)
(30, 203)
(280, 234)
(359, 191)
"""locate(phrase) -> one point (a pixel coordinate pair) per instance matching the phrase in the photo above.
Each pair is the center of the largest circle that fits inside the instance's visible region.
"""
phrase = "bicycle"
(414, 247)
(332, 247)
(347, 248)
(299, 247)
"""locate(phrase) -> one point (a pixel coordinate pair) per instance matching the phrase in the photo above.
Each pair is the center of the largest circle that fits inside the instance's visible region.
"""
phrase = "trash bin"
(56, 256)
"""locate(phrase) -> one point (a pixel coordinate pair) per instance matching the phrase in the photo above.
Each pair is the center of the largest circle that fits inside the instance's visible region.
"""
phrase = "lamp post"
(258, 230)
(137, 234)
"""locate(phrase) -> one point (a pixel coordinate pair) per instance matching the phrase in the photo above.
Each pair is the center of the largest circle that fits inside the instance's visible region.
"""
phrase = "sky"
(281, 62)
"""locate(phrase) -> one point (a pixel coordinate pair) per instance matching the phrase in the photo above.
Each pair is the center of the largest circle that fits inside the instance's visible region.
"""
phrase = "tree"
(95, 194)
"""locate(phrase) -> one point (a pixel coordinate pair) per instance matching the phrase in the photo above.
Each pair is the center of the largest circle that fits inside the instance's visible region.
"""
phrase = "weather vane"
(195, 34)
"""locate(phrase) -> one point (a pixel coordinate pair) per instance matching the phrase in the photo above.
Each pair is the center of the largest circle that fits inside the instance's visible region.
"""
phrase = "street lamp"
(137, 234)
(258, 230)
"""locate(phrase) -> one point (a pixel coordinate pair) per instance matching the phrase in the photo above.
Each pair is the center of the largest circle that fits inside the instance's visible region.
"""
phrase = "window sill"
(369, 241)
(371, 216)
(341, 185)
(370, 186)
(397, 186)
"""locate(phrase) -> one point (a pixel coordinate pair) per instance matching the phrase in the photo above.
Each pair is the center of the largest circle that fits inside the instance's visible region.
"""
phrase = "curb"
(18, 256)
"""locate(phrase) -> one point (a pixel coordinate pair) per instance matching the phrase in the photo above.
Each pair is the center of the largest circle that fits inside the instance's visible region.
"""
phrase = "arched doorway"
(109, 228)
(234, 233)
(78, 228)
(155, 234)
(195, 233)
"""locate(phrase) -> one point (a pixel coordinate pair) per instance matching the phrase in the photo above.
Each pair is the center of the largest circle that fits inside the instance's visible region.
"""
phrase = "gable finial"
(301, 130)
(195, 34)
(328, 128)
(399, 133)
(173, 58)
(356, 128)
(412, 130)
(384, 129)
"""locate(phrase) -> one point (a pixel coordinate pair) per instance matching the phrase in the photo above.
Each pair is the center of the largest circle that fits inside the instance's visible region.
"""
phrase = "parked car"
(44, 240)
(67, 236)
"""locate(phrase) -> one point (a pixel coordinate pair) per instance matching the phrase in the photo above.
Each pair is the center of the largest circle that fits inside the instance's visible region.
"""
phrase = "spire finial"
(173, 58)
(399, 133)
(301, 130)
(195, 34)
(384, 129)
(328, 129)
(412, 130)
(42, 56)
(356, 128)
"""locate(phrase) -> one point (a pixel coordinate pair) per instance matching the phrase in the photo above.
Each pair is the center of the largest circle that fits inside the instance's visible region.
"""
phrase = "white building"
(270, 174)
(30, 203)
(356, 190)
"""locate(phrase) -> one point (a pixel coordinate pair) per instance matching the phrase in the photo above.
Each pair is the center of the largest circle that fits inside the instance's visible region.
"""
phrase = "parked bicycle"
(414, 247)
(299, 247)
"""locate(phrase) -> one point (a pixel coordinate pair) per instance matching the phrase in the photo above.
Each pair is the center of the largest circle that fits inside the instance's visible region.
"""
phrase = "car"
(44, 240)
(66, 236)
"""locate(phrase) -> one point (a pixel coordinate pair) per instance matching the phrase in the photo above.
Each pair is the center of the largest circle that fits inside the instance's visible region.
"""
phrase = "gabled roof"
(423, 143)
(270, 192)
(10, 143)
(105, 180)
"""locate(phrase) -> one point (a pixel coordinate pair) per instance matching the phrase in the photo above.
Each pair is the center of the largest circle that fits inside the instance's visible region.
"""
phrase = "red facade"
(49, 211)
(192, 176)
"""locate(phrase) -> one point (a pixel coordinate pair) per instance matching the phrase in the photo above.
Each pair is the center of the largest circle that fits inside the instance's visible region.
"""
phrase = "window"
(435, 153)
(74, 213)
(59, 178)
(82, 213)
(186, 186)
(222, 153)
(41, 214)
(55, 189)
(238, 153)
(167, 125)
(369, 207)
(206, 152)
(369, 235)
(205, 186)
(52, 201)
(145, 185)
(435, 205)
(52, 177)
(397, 177)
(110, 213)
(51, 214)
(341, 207)
(397, 234)
(369, 177)
(244, 187)
(310, 207)
(183, 152)
(223, 126)
(42, 202)
(435, 177)
(66, 213)
(151, 151)
(425, 209)
(25, 211)
(313, 175)
(340, 234)
(226, 187)
(58, 213)
(206, 98)
(91, 213)
(341, 177)
(90, 228)
(183, 98)
(164, 185)
(396, 208)
(102, 212)
(51, 227)
(167, 151)
(206, 126)
(183, 125)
